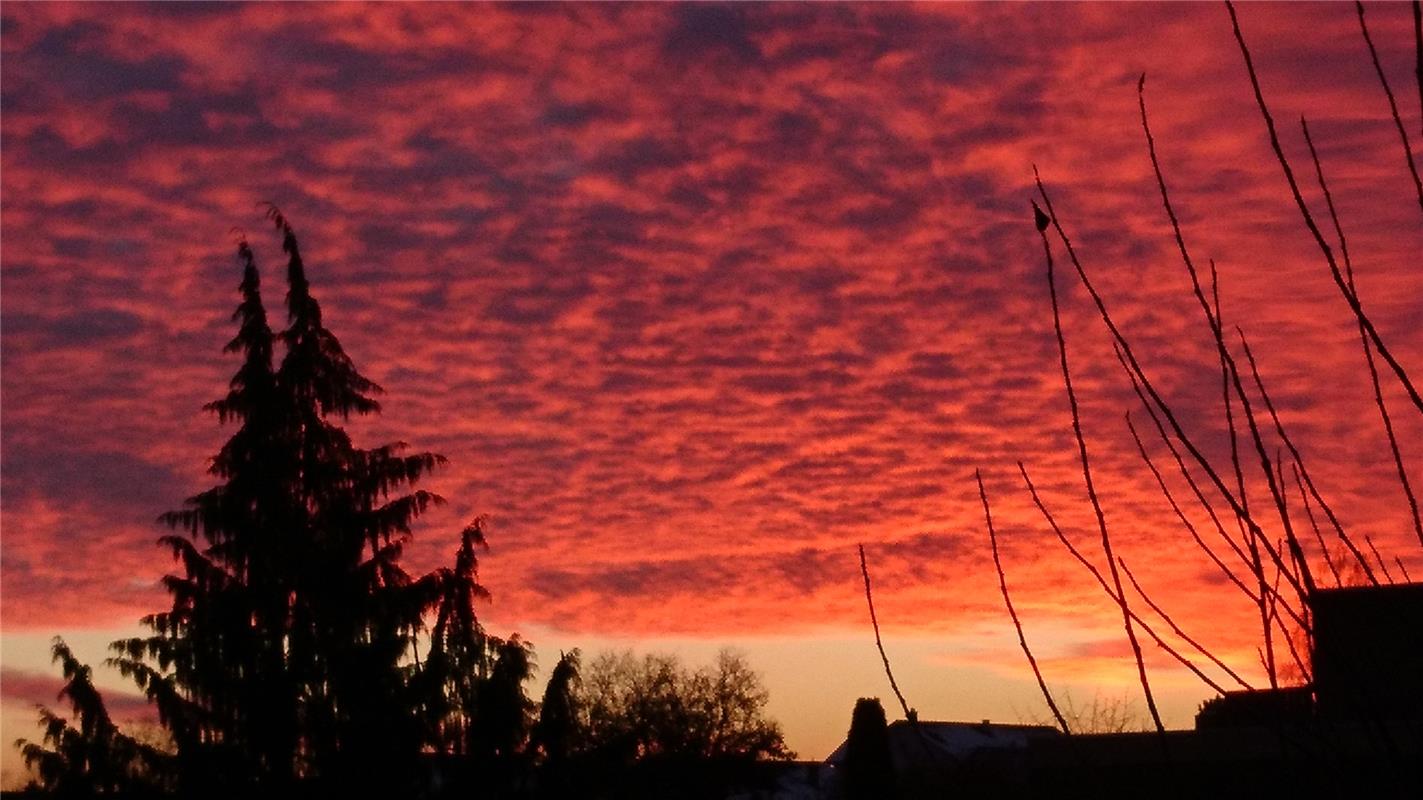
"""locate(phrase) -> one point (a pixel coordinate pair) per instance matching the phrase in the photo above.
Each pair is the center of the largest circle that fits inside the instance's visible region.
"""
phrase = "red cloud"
(694, 299)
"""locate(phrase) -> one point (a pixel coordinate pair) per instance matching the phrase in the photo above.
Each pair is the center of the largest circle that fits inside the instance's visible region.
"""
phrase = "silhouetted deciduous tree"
(656, 707)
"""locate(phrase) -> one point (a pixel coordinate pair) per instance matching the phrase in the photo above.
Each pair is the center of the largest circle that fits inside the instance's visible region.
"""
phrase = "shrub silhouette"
(868, 766)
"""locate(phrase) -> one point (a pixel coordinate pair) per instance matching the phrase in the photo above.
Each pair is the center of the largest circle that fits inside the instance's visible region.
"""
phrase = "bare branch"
(1368, 349)
(1369, 540)
(1176, 427)
(1091, 568)
(1392, 104)
(1276, 491)
(1008, 601)
(1185, 521)
(1418, 48)
(1349, 296)
(1252, 561)
(1319, 537)
(909, 713)
(1177, 629)
(1303, 470)
(1118, 594)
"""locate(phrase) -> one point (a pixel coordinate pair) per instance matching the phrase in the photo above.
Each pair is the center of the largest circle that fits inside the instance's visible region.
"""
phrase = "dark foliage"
(288, 656)
(655, 707)
(869, 770)
(289, 662)
(563, 720)
(87, 756)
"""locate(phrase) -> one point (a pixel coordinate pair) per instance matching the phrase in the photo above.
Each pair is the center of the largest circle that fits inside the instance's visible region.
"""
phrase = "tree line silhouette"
(299, 657)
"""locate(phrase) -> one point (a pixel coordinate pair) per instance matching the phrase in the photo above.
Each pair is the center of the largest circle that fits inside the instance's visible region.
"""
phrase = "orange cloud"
(695, 298)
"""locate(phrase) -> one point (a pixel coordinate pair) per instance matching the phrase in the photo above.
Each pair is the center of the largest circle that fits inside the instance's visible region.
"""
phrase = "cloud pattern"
(694, 297)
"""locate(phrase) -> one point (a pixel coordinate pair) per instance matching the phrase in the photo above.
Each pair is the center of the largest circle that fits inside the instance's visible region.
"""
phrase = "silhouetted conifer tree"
(285, 653)
(88, 756)
(505, 711)
(458, 660)
(869, 768)
(215, 665)
(561, 724)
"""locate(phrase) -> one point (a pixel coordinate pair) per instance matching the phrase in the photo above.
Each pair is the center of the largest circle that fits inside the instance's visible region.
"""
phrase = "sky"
(695, 299)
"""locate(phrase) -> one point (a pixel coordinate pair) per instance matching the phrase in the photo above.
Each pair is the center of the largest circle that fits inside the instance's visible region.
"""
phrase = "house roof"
(951, 741)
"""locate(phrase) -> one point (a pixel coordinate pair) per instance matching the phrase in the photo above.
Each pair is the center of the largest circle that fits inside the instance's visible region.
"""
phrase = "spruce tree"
(868, 765)
(86, 755)
(355, 611)
(285, 655)
(215, 663)
(561, 724)
(458, 659)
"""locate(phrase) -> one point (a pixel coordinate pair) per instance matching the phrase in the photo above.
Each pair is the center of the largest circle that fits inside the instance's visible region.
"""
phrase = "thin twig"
(1177, 429)
(1418, 48)
(909, 713)
(1119, 595)
(1177, 628)
(1185, 521)
(1293, 649)
(1230, 427)
(1304, 471)
(1369, 540)
(1102, 582)
(1008, 601)
(1228, 369)
(1392, 104)
(1276, 491)
(1349, 296)
(1318, 535)
(1288, 637)
(1210, 510)
(1368, 350)
(1256, 565)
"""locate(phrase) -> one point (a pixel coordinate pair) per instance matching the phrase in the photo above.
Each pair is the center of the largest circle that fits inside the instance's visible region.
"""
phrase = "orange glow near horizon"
(695, 298)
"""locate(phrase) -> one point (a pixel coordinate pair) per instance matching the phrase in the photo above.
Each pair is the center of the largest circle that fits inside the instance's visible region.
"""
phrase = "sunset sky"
(695, 298)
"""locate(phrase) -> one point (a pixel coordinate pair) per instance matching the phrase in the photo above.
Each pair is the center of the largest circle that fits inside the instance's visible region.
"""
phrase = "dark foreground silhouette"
(299, 658)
